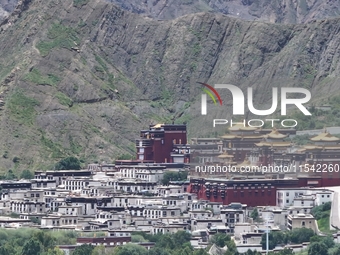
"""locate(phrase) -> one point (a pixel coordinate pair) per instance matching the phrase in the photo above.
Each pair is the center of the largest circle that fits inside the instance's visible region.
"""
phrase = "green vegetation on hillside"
(322, 215)
(320, 117)
(102, 71)
(69, 163)
(29, 241)
(167, 244)
(296, 236)
(136, 71)
(50, 148)
(63, 99)
(35, 76)
(21, 107)
(59, 36)
(27, 174)
(80, 3)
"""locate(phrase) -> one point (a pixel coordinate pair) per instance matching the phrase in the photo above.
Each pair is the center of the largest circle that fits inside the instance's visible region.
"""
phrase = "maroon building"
(161, 141)
(106, 241)
(254, 192)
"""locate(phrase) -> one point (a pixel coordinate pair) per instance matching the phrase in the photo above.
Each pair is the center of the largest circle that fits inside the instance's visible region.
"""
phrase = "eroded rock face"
(7, 7)
(275, 11)
(83, 80)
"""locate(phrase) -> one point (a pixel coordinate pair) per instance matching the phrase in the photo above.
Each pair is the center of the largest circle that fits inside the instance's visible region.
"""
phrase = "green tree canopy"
(200, 252)
(220, 239)
(26, 174)
(69, 163)
(101, 250)
(10, 175)
(174, 176)
(158, 251)
(300, 235)
(317, 248)
(55, 251)
(335, 250)
(85, 249)
(254, 214)
(31, 247)
(130, 249)
(45, 238)
(285, 251)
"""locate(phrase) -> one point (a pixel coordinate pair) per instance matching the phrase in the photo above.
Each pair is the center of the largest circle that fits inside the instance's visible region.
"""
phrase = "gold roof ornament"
(325, 137)
(229, 136)
(225, 155)
(273, 144)
(275, 134)
(246, 162)
(158, 125)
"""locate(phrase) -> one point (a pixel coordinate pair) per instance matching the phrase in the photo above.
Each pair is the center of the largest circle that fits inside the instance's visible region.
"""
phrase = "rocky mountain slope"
(275, 11)
(6, 7)
(83, 77)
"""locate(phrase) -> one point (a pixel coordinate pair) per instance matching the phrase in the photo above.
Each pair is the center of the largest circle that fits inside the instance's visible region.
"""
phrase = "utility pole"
(267, 234)
(267, 237)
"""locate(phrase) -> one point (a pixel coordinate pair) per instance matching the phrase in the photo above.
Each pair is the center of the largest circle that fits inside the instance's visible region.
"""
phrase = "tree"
(100, 250)
(174, 176)
(35, 220)
(327, 206)
(181, 237)
(300, 235)
(315, 238)
(26, 174)
(84, 249)
(254, 214)
(131, 249)
(321, 211)
(252, 252)
(335, 250)
(45, 238)
(328, 241)
(184, 251)
(10, 247)
(231, 247)
(317, 248)
(272, 241)
(70, 163)
(55, 251)
(275, 238)
(158, 251)
(285, 251)
(31, 247)
(200, 252)
(137, 239)
(166, 242)
(220, 239)
(10, 175)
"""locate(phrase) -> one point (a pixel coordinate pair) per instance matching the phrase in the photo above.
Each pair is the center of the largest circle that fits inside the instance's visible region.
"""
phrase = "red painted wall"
(162, 150)
(256, 196)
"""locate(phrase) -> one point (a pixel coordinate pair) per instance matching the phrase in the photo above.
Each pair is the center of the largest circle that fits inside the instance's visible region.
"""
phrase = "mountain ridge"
(84, 80)
(274, 11)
